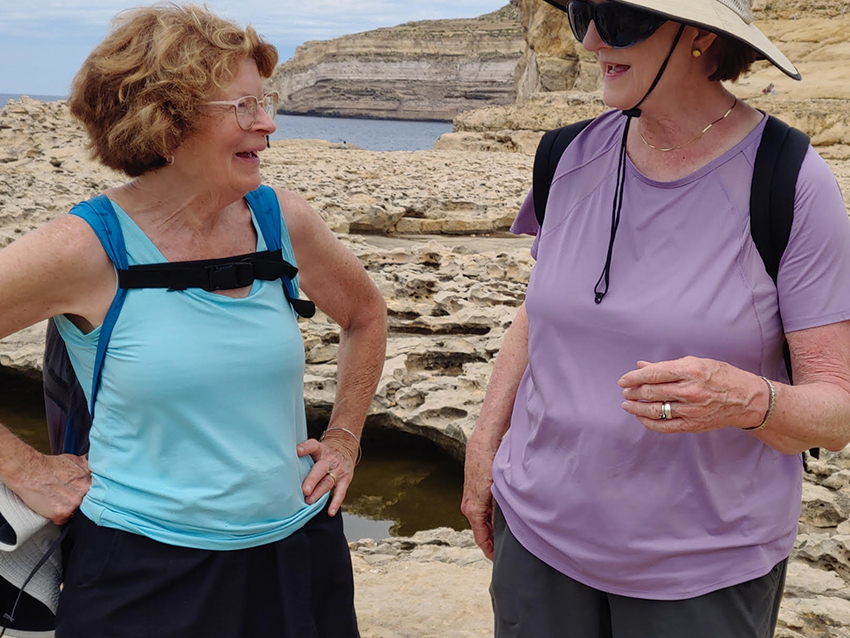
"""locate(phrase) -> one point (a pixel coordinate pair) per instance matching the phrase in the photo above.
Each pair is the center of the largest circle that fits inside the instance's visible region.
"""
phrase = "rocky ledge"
(430, 227)
(448, 577)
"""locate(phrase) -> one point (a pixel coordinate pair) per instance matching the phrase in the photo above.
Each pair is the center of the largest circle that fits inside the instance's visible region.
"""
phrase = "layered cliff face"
(430, 70)
(553, 61)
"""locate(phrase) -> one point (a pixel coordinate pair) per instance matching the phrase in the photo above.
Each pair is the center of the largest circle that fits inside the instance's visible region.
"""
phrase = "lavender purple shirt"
(582, 484)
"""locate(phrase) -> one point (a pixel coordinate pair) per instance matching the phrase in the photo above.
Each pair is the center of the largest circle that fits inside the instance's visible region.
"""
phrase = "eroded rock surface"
(447, 575)
(430, 227)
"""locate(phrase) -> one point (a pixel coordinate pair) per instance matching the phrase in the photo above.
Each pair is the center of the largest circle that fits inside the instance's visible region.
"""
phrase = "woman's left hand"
(704, 394)
(333, 469)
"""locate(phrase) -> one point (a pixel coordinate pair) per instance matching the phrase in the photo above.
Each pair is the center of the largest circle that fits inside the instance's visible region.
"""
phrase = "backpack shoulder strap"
(778, 161)
(549, 152)
(263, 202)
(98, 213)
(266, 208)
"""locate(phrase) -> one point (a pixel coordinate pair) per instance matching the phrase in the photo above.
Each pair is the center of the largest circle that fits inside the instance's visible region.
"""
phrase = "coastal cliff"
(428, 70)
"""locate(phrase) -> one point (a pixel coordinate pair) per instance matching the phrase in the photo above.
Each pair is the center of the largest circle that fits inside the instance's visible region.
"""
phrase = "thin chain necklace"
(694, 138)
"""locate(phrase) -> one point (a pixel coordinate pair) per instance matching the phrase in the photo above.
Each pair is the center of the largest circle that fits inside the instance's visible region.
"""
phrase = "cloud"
(282, 16)
(48, 44)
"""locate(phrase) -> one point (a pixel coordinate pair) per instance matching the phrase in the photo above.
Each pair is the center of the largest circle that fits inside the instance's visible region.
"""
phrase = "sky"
(43, 44)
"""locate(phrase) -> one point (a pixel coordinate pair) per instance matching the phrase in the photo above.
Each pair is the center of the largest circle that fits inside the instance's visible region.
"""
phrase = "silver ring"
(666, 411)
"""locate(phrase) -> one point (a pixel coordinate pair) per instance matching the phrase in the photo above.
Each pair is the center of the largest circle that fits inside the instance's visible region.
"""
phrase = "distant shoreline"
(5, 97)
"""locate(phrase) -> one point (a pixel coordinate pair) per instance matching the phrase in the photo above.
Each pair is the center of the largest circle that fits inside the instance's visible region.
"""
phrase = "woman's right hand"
(477, 503)
(54, 486)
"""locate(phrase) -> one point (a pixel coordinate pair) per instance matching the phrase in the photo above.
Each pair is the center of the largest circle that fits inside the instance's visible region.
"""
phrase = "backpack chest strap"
(210, 274)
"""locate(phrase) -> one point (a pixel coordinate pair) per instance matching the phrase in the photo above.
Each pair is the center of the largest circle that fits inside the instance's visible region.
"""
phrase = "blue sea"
(371, 135)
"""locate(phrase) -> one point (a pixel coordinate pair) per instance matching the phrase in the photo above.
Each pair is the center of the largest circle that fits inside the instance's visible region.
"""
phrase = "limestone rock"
(452, 294)
(823, 507)
(429, 70)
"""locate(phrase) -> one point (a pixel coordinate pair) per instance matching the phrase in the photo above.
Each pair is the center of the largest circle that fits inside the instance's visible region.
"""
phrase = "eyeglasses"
(619, 26)
(248, 108)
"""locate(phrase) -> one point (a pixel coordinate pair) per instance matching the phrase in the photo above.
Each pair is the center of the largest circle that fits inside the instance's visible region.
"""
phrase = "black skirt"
(122, 585)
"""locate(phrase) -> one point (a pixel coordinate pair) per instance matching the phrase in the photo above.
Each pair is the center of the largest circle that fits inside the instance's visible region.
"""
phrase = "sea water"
(370, 135)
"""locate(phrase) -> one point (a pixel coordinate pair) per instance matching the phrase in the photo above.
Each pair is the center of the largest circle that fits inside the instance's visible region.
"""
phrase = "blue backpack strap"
(263, 202)
(266, 207)
(98, 213)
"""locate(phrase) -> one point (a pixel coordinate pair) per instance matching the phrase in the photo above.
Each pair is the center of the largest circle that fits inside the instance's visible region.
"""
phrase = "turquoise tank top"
(199, 411)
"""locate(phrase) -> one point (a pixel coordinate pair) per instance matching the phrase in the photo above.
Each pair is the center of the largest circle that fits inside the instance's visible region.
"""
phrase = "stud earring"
(696, 53)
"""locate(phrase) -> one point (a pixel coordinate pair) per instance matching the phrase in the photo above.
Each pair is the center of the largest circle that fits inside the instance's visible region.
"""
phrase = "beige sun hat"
(724, 17)
(25, 539)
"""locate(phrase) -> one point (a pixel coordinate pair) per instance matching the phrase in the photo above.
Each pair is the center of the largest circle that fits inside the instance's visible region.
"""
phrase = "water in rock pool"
(401, 486)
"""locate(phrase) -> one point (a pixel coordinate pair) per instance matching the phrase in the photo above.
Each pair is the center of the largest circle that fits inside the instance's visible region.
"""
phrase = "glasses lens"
(270, 104)
(618, 26)
(623, 27)
(580, 15)
(246, 112)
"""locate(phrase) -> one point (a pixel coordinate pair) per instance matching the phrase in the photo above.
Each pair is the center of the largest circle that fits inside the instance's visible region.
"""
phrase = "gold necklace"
(694, 138)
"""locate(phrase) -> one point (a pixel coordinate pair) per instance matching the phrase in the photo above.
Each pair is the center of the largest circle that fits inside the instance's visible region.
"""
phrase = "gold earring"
(696, 53)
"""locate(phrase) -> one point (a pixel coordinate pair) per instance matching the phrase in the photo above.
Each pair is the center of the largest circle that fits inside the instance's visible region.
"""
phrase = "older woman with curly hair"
(204, 508)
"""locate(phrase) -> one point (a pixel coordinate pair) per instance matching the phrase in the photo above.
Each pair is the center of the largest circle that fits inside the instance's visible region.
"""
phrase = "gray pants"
(532, 600)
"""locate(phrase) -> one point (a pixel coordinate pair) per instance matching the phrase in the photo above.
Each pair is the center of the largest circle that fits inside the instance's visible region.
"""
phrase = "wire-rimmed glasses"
(247, 108)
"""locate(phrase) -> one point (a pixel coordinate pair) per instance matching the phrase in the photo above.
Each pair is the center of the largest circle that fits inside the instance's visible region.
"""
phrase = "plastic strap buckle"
(229, 276)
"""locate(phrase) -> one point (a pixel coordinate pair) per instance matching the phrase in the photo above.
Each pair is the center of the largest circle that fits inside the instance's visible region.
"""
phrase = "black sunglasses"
(618, 25)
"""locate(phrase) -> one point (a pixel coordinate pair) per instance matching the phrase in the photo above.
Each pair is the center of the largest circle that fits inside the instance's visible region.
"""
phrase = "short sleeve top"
(583, 485)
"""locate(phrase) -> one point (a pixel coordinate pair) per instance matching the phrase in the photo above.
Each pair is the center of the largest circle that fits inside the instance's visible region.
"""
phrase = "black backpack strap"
(549, 152)
(778, 161)
(66, 408)
(210, 274)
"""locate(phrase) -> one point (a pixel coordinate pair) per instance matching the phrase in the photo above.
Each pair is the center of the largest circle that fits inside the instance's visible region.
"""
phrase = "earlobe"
(703, 41)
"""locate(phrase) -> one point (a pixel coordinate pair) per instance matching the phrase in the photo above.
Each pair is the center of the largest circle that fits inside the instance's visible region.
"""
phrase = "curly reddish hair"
(141, 91)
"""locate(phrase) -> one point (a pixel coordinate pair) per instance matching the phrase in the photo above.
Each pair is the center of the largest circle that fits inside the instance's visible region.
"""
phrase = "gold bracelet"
(772, 400)
(352, 435)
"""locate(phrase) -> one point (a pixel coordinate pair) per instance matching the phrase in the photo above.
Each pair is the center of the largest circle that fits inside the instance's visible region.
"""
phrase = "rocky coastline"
(430, 227)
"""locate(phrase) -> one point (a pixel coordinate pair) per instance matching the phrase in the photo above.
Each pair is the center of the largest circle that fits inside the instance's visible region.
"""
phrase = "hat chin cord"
(9, 617)
(601, 287)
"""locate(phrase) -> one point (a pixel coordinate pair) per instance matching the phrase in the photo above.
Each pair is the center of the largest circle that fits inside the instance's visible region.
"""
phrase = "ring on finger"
(666, 411)
(333, 477)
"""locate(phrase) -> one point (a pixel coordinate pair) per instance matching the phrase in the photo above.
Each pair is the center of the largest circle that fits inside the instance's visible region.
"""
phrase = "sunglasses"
(619, 26)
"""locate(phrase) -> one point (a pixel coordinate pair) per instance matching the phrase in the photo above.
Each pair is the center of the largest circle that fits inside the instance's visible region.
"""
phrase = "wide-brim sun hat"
(733, 18)
(25, 539)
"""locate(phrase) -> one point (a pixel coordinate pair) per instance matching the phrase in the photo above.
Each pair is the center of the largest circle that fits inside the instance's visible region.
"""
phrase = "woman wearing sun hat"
(636, 467)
